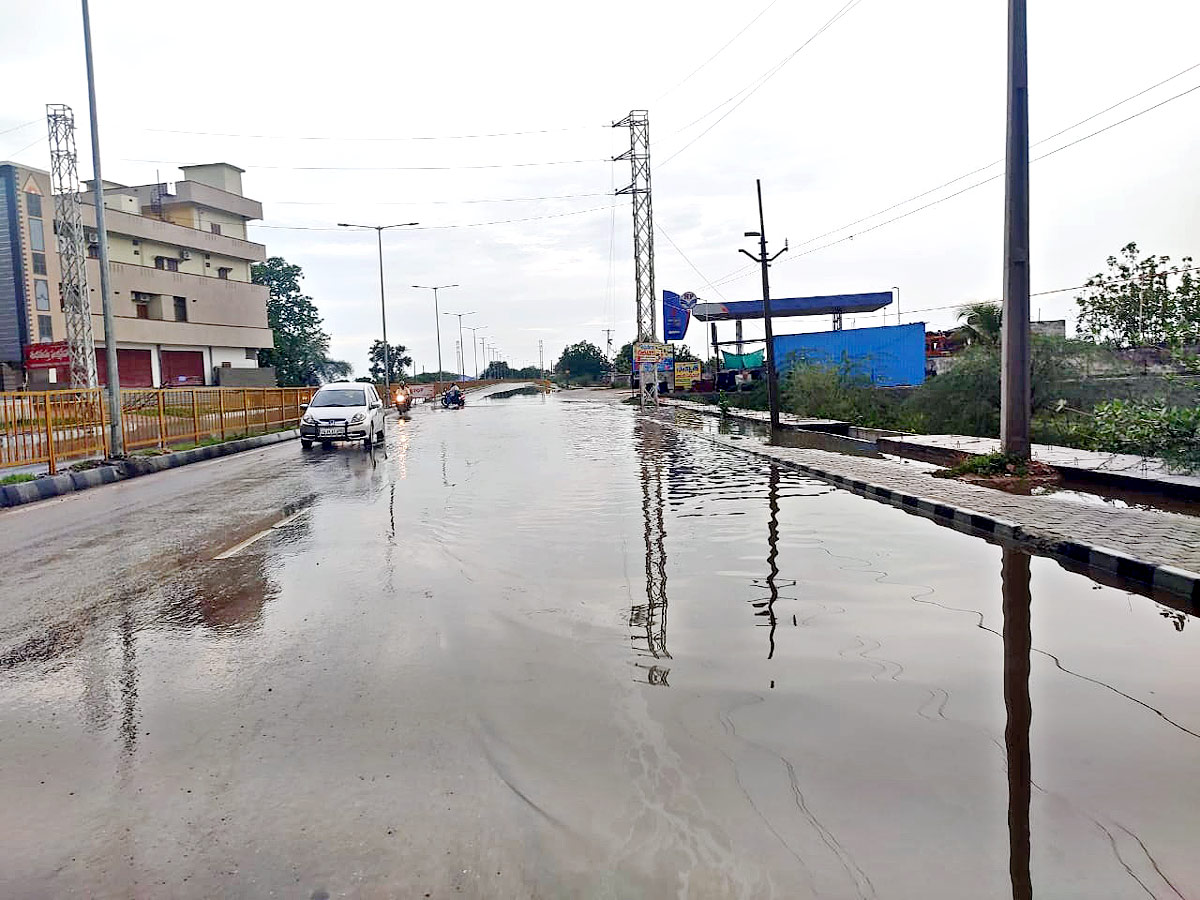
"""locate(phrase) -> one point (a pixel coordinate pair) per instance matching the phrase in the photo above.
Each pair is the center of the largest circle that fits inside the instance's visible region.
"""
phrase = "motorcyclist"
(454, 396)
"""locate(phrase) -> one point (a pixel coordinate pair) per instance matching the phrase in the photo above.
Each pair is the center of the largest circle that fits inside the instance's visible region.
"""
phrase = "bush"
(1143, 429)
(840, 392)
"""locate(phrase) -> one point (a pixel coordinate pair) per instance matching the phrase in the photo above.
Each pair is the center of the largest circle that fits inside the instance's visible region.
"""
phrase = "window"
(166, 262)
(143, 310)
(181, 309)
(223, 273)
(37, 236)
(41, 294)
(94, 251)
(252, 353)
(39, 264)
(33, 205)
(215, 226)
(136, 242)
(45, 328)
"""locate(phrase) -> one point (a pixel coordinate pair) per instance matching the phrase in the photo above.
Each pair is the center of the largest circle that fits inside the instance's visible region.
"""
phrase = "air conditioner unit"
(185, 254)
(91, 236)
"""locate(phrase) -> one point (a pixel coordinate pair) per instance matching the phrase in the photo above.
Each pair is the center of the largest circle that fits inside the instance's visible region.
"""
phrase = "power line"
(750, 91)
(519, 165)
(32, 143)
(690, 263)
(442, 137)
(577, 212)
(437, 202)
(724, 47)
(734, 276)
(19, 127)
(1044, 140)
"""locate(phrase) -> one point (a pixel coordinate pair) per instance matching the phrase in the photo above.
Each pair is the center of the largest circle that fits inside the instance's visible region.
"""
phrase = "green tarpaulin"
(743, 360)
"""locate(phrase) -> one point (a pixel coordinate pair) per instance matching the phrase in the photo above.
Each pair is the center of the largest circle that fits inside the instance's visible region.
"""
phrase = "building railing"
(57, 427)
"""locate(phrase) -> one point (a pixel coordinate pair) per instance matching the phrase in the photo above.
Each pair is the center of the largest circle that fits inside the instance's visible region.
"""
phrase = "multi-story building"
(185, 309)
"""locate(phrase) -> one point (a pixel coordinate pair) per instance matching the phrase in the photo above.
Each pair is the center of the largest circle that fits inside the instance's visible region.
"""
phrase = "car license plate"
(332, 432)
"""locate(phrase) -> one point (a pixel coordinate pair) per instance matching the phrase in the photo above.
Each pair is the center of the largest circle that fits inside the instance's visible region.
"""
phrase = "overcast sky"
(893, 99)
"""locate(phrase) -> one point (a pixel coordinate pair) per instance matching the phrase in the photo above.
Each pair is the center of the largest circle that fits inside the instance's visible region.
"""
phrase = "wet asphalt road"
(548, 648)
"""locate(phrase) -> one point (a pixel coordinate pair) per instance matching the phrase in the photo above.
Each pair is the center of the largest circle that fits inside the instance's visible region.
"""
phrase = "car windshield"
(339, 397)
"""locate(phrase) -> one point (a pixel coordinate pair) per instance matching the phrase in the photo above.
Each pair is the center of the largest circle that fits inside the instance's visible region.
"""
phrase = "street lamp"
(474, 345)
(437, 319)
(462, 348)
(387, 356)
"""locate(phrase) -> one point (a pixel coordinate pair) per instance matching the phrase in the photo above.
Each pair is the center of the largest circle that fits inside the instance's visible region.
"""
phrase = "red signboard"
(48, 356)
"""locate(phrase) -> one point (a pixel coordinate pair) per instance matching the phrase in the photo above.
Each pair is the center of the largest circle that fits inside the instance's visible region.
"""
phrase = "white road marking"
(238, 548)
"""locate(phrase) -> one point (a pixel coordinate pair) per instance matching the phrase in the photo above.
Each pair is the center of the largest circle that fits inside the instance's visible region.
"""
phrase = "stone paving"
(1162, 538)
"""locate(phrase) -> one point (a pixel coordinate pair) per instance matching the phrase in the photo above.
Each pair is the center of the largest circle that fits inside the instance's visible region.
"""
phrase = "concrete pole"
(116, 437)
(772, 375)
(1015, 389)
(387, 351)
(437, 321)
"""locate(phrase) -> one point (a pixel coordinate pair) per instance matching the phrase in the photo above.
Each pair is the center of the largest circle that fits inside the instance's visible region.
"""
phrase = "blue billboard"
(677, 313)
(887, 355)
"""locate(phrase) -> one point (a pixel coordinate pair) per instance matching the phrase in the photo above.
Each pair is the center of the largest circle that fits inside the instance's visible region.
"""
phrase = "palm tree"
(982, 322)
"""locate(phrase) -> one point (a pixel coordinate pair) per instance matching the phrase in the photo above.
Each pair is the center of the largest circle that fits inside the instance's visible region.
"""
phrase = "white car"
(343, 411)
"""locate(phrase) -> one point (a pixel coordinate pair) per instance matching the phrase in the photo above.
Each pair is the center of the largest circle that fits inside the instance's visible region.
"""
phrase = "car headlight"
(307, 419)
(358, 418)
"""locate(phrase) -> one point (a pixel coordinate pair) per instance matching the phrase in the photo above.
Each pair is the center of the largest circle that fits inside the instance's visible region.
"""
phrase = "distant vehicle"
(402, 399)
(454, 398)
(343, 411)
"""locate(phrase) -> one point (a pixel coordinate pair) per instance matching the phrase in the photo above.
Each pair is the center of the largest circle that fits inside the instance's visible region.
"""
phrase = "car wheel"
(305, 444)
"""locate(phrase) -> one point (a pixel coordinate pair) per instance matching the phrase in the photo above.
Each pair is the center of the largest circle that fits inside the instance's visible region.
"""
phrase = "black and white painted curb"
(119, 470)
(1102, 563)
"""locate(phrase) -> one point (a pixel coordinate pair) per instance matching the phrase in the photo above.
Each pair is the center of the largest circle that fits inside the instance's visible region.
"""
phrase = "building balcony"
(211, 301)
(151, 229)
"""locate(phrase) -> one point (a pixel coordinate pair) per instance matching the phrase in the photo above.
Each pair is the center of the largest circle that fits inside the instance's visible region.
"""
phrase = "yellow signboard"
(686, 374)
(650, 352)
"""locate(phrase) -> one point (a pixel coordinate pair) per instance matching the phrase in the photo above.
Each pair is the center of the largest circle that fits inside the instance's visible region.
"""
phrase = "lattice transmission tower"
(638, 123)
(68, 225)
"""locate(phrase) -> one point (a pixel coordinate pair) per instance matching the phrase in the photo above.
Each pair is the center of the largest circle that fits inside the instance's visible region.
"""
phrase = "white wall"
(235, 356)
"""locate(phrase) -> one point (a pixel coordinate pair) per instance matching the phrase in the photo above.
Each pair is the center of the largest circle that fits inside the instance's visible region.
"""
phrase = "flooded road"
(549, 648)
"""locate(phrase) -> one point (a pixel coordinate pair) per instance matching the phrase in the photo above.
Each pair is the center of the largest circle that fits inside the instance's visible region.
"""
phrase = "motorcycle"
(404, 400)
(454, 400)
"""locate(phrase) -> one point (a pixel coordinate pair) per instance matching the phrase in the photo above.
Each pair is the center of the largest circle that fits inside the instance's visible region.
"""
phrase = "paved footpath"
(1119, 540)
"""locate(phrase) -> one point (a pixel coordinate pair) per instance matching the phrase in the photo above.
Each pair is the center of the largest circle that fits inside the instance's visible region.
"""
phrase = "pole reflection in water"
(649, 620)
(1014, 579)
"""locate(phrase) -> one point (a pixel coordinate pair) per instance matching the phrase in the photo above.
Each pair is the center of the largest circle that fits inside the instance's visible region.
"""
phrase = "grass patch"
(989, 464)
(17, 478)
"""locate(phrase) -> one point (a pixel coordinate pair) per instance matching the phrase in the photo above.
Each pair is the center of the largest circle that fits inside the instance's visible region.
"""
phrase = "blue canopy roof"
(782, 307)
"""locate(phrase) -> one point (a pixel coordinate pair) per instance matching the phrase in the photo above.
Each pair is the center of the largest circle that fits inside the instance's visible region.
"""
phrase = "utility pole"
(765, 261)
(608, 333)
(1015, 388)
(541, 360)
(116, 437)
(437, 318)
(387, 350)
(474, 348)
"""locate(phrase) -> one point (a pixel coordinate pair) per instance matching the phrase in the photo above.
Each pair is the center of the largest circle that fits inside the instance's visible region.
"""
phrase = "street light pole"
(474, 347)
(765, 261)
(1015, 388)
(387, 350)
(116, 437)
(462, 347)
(437, 320)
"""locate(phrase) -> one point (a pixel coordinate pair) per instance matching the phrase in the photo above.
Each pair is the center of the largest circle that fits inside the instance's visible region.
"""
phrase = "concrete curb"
(132, 467)
(1100, 561)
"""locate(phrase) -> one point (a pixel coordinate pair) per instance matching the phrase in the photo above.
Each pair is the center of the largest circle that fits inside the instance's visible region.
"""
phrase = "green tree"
(624, 360)
(1141, 302)
(497, 369)
(301, 352)
(397, 359)
(582, 361)
(683, 354)
(982, 323)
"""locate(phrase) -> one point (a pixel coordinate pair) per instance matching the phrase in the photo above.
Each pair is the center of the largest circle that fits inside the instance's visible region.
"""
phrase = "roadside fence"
(56, 427)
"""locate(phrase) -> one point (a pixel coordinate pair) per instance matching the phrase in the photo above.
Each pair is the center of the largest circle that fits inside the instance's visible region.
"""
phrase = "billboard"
(686, 374)
(48, 356)
(887, 355)
(677, 313)
(650, 351)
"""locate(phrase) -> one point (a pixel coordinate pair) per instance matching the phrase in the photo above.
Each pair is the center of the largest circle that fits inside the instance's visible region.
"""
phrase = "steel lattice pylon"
(68, 226)
(638, 123)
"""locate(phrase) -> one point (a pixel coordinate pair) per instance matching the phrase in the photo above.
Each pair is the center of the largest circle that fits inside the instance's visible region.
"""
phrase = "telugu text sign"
(48, 356)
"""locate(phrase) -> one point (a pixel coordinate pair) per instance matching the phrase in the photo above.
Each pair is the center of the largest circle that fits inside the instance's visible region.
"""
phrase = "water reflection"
(1018, 642)
(649, 620)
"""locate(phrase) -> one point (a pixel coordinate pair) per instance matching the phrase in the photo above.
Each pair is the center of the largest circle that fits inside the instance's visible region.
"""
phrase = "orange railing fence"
(55, 427)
